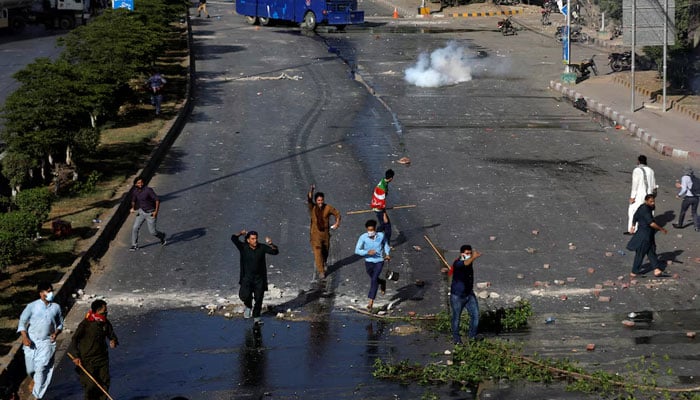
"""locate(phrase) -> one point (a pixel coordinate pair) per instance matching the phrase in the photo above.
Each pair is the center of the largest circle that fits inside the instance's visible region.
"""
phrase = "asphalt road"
(498, 162)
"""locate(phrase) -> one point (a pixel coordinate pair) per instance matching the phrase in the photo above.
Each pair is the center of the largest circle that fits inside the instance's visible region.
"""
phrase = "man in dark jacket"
(253, 276)
(146, 204)
(89, 350)
(643, 242)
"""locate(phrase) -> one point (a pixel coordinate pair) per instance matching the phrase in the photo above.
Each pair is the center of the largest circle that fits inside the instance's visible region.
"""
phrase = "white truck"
(61, 14)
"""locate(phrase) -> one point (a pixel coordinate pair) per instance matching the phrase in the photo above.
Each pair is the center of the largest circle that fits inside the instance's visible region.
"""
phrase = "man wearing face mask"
(89, 350)
(40, 323)
(462, 292)
(643, 242)
(373, 246)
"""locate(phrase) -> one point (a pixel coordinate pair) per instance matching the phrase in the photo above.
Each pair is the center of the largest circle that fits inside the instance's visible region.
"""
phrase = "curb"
(619, 119)
(695, 115)
(485, 14)
(12, 368)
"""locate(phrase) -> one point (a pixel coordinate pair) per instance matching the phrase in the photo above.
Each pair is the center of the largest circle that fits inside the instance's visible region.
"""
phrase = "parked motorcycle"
(506, 27)
(584, 68)
(551, 6)
(576, 35)
(620, 61)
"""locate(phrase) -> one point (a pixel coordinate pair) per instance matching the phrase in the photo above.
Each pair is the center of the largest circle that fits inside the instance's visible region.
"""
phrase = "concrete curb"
(633, 128)
(12, 369)
(485, 14)
(659, 98)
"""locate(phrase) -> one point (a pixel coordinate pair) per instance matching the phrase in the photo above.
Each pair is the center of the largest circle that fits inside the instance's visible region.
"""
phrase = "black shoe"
(677, 226)
(163, 242)
(626, 233)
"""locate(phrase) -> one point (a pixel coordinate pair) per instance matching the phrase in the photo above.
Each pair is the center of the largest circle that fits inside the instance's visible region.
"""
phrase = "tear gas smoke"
(445, 66)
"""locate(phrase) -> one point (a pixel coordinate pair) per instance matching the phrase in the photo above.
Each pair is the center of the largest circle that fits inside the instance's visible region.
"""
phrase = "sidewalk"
(670, 133)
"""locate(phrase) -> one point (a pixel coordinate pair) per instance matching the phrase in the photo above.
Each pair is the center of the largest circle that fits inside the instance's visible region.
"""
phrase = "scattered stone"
(604, 299)
(538, 283)
(690, 335)
(591, 270)
(572, 246)
(608, 254)
(447, 352)
(408, 329)
(483, 295)
(625, 285)
(520, 276)
(449, 362)
(530, 250)
(608, 283)
(679, 236)
(571, 279)
(596, 292)
(483, 285)
(404, 160)
(621, 277)
(598, 286)
(417, 248)
(559, 282)
(517, 299)
(628, 323)
(228, 315)
(545, 266)
(676, 276)
(411, 313)
(563, 297)
(535, 232)
(590, 346)
(492, 238)
(381, 312)
(494, 295)
(280, 315)
(549, 320)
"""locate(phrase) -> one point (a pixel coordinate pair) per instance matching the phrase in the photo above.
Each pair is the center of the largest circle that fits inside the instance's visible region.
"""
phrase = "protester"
(462, 292)
(202, 7)
(643, 242)
(373, 246)
(253, 271)
(320, 214)
(155, 84)
(88, 349)
(378, 204)
(643, 183)
(146, 204)
(39, 324)
(689, 193)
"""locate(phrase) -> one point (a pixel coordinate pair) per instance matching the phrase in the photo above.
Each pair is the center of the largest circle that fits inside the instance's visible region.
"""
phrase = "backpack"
(696, 185)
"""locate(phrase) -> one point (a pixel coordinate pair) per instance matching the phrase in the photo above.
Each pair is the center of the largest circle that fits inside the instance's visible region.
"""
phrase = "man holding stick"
(320, 215)
(89, 352)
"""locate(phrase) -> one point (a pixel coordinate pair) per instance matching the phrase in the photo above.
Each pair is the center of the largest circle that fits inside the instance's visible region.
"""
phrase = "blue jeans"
(142, 216)
(156, 100)
(458, 304)
(374, 269)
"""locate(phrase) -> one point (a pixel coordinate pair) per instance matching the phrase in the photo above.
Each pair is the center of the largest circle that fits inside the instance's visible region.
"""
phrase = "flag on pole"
(562, 7)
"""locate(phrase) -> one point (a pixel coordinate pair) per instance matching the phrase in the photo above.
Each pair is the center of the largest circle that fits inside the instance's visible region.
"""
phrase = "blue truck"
(307, 13)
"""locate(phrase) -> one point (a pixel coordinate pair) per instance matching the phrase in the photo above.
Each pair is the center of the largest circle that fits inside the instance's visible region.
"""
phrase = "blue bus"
(307, 13)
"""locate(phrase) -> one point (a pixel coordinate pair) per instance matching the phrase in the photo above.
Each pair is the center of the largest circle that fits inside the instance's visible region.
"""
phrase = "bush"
(36, 201)
(20, 223)
(11, 246)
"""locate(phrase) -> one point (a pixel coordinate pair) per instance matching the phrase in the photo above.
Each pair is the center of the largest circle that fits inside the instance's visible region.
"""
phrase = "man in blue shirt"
(462, 292)
(372, 246)
(40, 323)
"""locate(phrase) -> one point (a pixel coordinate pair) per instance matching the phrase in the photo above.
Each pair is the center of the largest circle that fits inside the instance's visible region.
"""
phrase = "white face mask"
(371, 234)
(49, 296)
(466, 257)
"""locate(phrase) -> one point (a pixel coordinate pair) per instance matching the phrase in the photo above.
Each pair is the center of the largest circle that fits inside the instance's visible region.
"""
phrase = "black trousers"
(252, 291)
(692, 203)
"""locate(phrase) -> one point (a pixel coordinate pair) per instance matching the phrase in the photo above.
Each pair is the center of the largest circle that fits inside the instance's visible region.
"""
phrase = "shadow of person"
(186, 236)
(671, 256)
(414, 291)
(665, 218)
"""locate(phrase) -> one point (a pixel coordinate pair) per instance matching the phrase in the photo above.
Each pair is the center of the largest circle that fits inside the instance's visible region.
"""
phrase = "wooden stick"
(388, 208)
(447, 265)
(91, 378)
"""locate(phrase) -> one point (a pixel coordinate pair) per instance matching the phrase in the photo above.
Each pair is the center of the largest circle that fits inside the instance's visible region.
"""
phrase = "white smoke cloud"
(445, 66)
